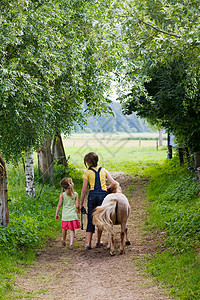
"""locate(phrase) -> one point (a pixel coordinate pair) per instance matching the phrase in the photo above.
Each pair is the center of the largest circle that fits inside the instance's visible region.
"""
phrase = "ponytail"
(66, 185)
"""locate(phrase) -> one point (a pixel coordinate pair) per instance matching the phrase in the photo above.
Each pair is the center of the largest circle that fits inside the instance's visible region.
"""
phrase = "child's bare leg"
(64, 234)
(72, 235)
(99, 234)
(89, 238)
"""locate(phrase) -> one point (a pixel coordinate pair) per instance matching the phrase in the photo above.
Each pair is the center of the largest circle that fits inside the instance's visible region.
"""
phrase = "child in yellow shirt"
(96, 176)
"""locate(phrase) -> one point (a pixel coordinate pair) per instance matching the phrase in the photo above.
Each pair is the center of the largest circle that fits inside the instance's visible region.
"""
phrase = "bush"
(21, 232)
(71, 171)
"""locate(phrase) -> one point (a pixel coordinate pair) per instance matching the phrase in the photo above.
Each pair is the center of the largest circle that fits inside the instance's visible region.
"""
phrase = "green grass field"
(116, 153)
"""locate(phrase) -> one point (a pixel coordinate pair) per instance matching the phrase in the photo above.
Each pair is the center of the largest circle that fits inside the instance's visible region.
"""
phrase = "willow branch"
(159, 30)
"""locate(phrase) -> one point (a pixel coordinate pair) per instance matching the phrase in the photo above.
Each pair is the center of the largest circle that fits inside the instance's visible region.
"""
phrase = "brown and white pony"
(114, 210)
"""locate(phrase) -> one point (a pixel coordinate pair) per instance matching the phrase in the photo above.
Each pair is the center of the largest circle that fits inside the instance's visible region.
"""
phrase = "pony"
(114, 210)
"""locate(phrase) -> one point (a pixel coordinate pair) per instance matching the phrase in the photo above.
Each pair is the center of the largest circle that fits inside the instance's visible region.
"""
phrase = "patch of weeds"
(27, 295)
(8, 269)
(45, 278)
(65, 261)
(42, 291)
(179, 271)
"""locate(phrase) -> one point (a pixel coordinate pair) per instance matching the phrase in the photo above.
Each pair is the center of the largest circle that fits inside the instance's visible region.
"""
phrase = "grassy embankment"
(175, 211)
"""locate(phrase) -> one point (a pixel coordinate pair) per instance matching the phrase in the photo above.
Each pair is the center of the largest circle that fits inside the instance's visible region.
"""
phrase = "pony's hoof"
(128, 243)
(122, 252)
(112, 253)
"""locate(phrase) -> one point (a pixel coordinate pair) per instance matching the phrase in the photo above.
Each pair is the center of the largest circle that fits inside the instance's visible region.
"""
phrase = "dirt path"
(62, 273)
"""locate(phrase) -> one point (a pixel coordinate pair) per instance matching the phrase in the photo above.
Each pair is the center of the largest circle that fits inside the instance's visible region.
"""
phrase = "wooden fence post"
(160, 137)
(169, 147)
(197, 164)
(187, 156)
(4, 213)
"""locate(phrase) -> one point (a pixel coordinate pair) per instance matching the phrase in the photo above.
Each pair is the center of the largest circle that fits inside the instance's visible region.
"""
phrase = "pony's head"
(114, 188)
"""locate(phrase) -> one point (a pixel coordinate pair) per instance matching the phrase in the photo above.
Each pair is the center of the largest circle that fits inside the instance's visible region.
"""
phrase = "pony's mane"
(114, 188)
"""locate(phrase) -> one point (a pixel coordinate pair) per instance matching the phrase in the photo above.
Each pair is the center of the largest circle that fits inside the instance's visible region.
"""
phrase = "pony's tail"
(102, 216)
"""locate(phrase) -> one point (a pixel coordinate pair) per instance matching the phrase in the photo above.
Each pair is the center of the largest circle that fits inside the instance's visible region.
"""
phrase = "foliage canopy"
(52, 60)
(162, 66)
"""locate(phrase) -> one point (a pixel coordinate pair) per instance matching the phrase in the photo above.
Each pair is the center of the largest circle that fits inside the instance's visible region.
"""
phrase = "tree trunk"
(180, 155)
(187, 156)
(29, 174)
(160, 137)
(196, 160)
(169, 147)
(197, 164)
(45, 161)
(58, 150)
(4, 212)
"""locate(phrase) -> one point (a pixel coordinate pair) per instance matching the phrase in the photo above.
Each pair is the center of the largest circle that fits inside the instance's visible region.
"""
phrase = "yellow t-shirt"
(90, 176)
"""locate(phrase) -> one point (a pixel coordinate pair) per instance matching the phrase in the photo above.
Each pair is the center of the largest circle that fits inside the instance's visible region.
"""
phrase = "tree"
(52, 60)
(116, 121)
(161, 66)
(58, 150)
(29, 174)
(45, 161)
(166, 102)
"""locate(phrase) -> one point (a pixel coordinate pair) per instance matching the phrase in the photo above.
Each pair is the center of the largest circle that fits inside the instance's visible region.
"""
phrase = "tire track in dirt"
(62, 273)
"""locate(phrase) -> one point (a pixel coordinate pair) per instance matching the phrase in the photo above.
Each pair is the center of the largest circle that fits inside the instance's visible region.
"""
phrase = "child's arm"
(77, 203)
(58, 207)
(83, 192)
(109, 177)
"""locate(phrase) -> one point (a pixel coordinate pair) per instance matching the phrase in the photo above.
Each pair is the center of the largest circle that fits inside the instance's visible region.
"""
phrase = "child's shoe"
(87, 247)
(99, 245)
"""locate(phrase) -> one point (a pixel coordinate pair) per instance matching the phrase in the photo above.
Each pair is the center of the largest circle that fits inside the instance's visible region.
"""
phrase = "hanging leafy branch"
(51, 61)
(159, 30)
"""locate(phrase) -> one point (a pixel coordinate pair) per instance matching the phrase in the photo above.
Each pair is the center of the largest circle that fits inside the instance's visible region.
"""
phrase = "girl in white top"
(69, 219)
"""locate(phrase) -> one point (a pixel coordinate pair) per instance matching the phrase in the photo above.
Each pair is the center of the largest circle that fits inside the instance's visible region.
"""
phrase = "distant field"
(118, 135)
(116, 153)
(113, 140)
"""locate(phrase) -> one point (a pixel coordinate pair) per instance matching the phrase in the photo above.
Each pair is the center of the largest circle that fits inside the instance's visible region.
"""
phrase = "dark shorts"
(94, 200)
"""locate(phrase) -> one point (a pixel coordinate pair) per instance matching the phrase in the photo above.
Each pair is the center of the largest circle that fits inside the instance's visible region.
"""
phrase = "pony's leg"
(112, 248)
(99, 234)
(109, 241)
(126, 234)
(122, 250)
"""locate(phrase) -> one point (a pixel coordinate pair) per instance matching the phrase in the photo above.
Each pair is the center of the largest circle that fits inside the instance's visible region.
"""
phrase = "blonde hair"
(67, 186)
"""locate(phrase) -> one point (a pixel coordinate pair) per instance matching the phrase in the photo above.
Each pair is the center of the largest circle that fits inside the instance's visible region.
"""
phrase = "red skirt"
(69, 225)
